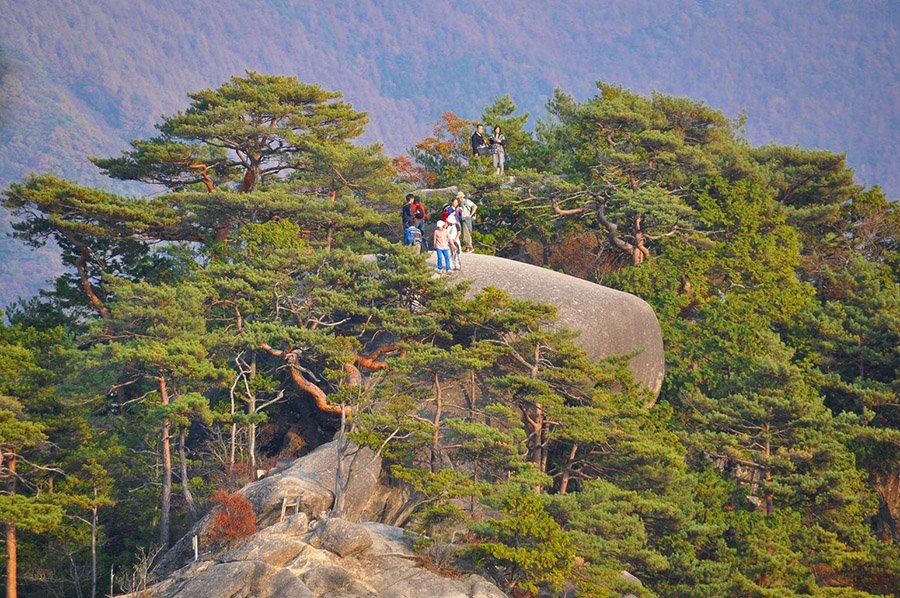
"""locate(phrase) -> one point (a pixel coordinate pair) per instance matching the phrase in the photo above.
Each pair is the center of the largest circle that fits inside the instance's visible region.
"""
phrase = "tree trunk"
(475, 483)
(185, 486)
(770, 507)
(11, 545)
(612, 233)
(251, 176)
(207, 181)
(231, 450)
(305, 385)
(538, 456)
(166, 502)
(340, 480)
(251, 442)
(436, 426)
(80, 264)
(252, 432)
(567, 470)
(329, 241)
(640, 251)
(94, 510)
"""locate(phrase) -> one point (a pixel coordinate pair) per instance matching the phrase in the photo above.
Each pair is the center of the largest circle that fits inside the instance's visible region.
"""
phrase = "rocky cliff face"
(309, 554)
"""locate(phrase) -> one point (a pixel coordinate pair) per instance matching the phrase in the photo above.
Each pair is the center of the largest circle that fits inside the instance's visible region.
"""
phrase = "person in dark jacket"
(407, 212)
(478, 143)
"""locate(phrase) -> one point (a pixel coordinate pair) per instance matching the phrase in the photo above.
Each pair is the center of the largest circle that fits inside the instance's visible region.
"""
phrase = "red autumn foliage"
(232, 519)
(412, 174)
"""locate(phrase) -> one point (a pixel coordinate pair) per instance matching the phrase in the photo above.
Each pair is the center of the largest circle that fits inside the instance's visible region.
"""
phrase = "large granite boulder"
(283, 560)
(610, 321)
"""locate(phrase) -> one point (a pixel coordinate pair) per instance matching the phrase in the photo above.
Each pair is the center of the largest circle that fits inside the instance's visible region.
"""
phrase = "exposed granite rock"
(311, 479)
(294, 567)
(610, 321)
(330, 580)
(343, 537)
(239, 579)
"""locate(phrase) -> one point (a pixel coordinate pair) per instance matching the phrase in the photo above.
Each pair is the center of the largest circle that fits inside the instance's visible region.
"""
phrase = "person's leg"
(440, 259)
(497, 160)
(502, 162)
(446, 259)
(467, 232)
(421, 226)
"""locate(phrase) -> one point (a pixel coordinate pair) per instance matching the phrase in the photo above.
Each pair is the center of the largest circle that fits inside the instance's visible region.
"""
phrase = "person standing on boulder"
(442, 247)
(479, 146)
(451, 208)
(406, 214)
(419, 215)
(498, 150)
(467, 209)
(455, 249)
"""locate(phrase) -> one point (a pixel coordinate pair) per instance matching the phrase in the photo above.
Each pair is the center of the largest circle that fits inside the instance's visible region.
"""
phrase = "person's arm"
(474, 209)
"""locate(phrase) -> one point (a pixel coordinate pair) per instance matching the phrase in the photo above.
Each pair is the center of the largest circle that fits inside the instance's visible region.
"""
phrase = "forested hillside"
(81, 79)
(209, 331)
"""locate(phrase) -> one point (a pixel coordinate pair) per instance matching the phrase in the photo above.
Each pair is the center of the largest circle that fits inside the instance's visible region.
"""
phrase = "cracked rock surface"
(283, 561)
(307, 555)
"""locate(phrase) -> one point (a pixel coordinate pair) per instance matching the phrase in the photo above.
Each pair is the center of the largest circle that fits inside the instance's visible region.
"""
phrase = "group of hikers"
(452, 231)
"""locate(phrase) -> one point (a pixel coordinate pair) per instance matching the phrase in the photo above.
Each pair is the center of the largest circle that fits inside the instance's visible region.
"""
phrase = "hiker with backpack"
(411, 234)
(419, 215)
(451, 208)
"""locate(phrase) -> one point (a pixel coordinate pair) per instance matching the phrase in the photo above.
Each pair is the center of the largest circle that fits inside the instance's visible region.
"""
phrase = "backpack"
(413, 235)
(446, 211)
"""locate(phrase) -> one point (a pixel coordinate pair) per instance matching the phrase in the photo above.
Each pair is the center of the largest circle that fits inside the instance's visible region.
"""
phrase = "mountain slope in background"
(81, 79)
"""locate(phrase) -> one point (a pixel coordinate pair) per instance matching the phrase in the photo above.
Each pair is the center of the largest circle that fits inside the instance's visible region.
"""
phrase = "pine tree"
(258, 125)
(155, 342)
(20, 509)
(525, 545)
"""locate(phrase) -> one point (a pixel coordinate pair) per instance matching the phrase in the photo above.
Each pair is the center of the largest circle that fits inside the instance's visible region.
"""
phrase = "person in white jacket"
(455, 248)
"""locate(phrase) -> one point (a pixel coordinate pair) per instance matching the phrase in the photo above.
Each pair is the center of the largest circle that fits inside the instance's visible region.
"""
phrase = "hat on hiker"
(460, 195)
(440, 224)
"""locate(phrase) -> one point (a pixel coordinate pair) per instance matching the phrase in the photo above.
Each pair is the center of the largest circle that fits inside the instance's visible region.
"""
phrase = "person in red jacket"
(419, 214)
